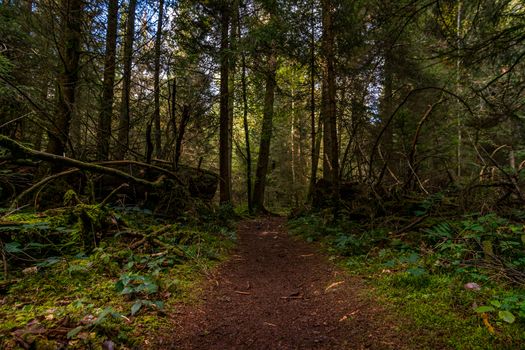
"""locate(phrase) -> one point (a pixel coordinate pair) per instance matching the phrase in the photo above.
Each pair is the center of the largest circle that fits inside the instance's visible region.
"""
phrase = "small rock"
(472, 286)
(108, 345)
(88, 319)
(30, 270)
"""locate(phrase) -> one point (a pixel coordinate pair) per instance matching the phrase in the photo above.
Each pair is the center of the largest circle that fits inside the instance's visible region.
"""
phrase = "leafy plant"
(129, 283)
(135, 308)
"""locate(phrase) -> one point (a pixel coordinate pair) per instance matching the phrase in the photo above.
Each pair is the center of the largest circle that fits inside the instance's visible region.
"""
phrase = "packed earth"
(277, 292)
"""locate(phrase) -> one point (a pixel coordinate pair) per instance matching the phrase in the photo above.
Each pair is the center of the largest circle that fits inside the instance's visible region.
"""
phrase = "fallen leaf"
(333, 285)
(487, 324)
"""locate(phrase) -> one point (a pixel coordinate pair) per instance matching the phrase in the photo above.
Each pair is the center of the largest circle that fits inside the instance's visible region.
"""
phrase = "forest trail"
(276, 292)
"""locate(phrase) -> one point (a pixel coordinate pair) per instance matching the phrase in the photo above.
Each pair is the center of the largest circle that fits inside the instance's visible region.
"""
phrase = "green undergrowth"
(81, 276)
(458, 281)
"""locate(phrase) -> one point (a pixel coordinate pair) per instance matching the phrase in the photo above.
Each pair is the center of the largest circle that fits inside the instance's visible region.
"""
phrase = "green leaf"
(413, 258)
(495, 303)
(13, 247)
(507, 316)
(49, 262)
(119, 286)
(136, 307)
(72, 333)
(485, 308)
(416, 271)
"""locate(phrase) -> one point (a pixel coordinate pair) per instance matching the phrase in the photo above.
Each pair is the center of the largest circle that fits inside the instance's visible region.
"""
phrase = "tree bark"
(328, 107)
(156, 112)
(314, 154)
(184, 119)
(224, 128)
(245, 121)
(106, 108)
(266, 136)
(124, 122)
(69, 49)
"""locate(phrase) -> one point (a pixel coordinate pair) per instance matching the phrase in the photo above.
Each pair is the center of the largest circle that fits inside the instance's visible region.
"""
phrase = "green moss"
(423, 285)
(75, 290)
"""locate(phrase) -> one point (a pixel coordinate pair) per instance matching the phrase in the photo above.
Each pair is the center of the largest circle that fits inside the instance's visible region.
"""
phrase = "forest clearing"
(262, 174)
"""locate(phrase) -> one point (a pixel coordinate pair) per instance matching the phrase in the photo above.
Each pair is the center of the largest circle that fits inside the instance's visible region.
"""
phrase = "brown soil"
(280, 293)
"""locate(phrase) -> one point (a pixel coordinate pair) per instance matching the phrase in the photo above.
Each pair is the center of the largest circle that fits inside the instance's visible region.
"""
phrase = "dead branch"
(20, 151)
(39, 184)
(171, 174)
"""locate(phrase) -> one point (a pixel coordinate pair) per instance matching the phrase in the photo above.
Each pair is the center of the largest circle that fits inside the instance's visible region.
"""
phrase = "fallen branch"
(410, 226)
(39, 184)
(144, 165)
(20, 151)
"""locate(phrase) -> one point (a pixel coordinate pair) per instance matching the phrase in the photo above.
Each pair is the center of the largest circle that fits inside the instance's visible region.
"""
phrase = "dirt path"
(279, 293)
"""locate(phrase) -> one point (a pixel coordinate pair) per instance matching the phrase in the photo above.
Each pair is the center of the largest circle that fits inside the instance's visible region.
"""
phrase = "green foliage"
(107, 292)
(5, 65)
(131, 284)
(424, 273)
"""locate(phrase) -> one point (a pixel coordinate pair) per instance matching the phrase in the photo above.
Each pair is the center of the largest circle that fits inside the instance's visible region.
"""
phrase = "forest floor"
(277, 292)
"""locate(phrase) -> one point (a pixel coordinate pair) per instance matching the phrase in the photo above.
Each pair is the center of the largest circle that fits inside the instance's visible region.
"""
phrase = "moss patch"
(110, 292)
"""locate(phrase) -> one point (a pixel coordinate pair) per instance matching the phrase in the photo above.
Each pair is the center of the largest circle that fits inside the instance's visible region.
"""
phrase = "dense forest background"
(402, 97)
(133, 134)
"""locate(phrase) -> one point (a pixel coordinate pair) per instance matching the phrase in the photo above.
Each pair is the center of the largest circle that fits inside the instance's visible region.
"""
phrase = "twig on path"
(335, 284)
(243, 293)
(293, 297)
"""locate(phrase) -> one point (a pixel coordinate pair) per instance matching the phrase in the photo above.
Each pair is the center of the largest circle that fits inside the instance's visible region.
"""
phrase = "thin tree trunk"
(458, 87)
(106, 109)
(231, 80)
(292, 143)
(224, 128)
(68, 79)
(185, 117)
(266, 136)
(329, 112)
(246, 126)
(314, 144)
(124, 122)
(171, 132)
(156, 112)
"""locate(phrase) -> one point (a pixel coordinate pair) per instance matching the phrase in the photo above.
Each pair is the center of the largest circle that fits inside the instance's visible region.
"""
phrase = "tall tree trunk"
(245, 123)
(266, 136)
(328, 108)
(68, 79)
(124, 121)
(293, 150)
(156, 112)
(224, 128)
(106, 108)
(314, 153)
(231, 80)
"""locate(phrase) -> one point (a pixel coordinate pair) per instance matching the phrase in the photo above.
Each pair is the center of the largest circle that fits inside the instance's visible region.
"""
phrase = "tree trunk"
(266, 136)
(231, 80)
(185, 117)
(68, 79)
(245, 124)
(224, 128)
(156, 112)
(314, 154)
(124, 122)
(328, 107)
(106, 108)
